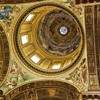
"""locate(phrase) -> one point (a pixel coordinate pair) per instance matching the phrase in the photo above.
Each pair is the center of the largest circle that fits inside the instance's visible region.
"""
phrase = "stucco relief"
(79, 76)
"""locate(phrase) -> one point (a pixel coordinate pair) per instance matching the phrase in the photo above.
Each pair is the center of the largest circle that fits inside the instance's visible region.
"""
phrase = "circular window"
(63, 30)
(45, 39)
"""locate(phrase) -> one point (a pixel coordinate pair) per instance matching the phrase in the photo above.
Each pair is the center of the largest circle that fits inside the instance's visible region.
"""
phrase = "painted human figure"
(5, 12)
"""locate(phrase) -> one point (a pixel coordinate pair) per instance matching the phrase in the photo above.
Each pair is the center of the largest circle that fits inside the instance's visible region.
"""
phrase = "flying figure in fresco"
(5, 11)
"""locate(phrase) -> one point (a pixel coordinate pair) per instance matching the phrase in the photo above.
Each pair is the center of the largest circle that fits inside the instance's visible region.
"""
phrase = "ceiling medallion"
(49, 38)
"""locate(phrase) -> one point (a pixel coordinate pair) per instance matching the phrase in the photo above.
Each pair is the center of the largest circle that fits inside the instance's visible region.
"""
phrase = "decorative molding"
(91, 47)
(97, 38)
(4, 54)
(18, 1)
(86, 1)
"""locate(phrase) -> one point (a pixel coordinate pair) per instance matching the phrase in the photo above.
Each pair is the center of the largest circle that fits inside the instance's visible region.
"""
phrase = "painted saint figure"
(5, 11)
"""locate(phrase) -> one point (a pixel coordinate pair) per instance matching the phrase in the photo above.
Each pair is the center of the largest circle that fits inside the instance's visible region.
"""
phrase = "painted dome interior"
(49, 49)
(47, 41)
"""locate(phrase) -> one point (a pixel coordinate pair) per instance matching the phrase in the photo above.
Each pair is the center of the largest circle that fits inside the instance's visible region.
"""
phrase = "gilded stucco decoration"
(45, 39)
(79, 77)
(78, 10)
(92, 20)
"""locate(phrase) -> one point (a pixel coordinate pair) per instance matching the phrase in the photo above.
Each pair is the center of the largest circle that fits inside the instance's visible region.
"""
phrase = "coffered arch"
(44, 90)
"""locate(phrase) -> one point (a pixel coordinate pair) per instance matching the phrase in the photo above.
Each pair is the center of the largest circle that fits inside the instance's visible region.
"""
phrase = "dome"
(49, 38)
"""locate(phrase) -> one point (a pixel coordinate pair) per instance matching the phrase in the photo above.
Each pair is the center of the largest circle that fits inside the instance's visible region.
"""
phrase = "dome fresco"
(49, 38)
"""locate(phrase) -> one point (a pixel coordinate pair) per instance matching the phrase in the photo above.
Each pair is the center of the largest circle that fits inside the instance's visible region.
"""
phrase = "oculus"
(63, 30)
